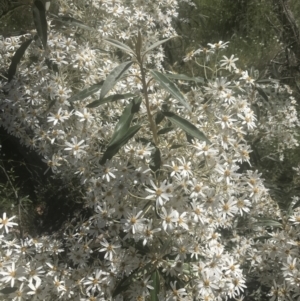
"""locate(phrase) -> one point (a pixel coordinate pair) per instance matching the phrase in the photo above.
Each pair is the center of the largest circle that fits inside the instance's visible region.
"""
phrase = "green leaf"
(8, 290)
(156, 285)
(16, 59)
(114, 77)
(261, 238)
(264, 222)
(262, 93)
(159, 117)
(119, 45)
(155, 161)
(86, 92)
(125, 119)
(138, 45)
(110, 98)
(156, 44)
(118, 143)
(174, 146)
(165, 130)
(39, 18)
(185, 125)
(166, 84)
(69, 21)
(186, 78)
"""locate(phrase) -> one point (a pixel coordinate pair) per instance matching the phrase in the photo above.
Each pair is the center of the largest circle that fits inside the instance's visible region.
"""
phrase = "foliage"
(172, 208)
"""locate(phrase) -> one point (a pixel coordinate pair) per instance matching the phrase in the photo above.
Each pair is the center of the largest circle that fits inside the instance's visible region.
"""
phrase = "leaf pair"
(123, 132)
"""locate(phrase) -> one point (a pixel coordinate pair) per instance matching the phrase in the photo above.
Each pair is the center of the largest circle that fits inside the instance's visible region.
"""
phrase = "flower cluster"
(179, 225)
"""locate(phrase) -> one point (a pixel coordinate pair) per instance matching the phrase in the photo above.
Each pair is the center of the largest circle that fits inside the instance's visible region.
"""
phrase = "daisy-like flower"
(133, 222)
(84, 116)
(161, 193)
(108, 248)
(11, 275)
(148, 232)
(228, 208)
(6, 222)
(75, 147)
(176, 294)
(229, 62)
(169, 219)
(220, 85)
(55, 118)
(93, 282)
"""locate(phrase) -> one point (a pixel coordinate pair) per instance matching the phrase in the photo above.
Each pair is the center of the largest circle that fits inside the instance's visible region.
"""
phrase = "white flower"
(109, 249)
(55, 118)
(133, 222)
(76, 147)
(6, 222)
(162, 193)
(169, 219)
(229, 62)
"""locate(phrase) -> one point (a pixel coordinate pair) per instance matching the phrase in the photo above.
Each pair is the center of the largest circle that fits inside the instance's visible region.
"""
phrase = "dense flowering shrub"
(176, 214)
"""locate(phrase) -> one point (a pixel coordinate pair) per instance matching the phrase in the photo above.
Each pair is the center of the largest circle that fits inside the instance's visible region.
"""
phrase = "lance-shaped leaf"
(8, 290)
(114, 77)
(267, 222)
(156, 285)
(138, 46)
(118, 143)
(86, 92)
(119, 45)
(110, 98)
(16, 59)
(165, 130)
(155, 161)
(39, 18)
(185, 78)
(69, 21)
(166, 84)
(159, 117)
(185, 125)
(156, 44)
(125, 119)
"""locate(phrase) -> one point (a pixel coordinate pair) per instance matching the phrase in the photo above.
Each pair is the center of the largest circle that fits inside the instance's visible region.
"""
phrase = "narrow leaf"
(185, 125)
(155, 161)
(119, 45)
(263, 222)
(159, 117)
(186, 78)
(125, 119)
(156, 285)
(138, 45)
(16, 59)
(156, 44)
(39, 18)
(86, 92)
(170, 87)
(8, 290)
(114, 77)
(118, 143)
(165, 130)
(110, 98)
